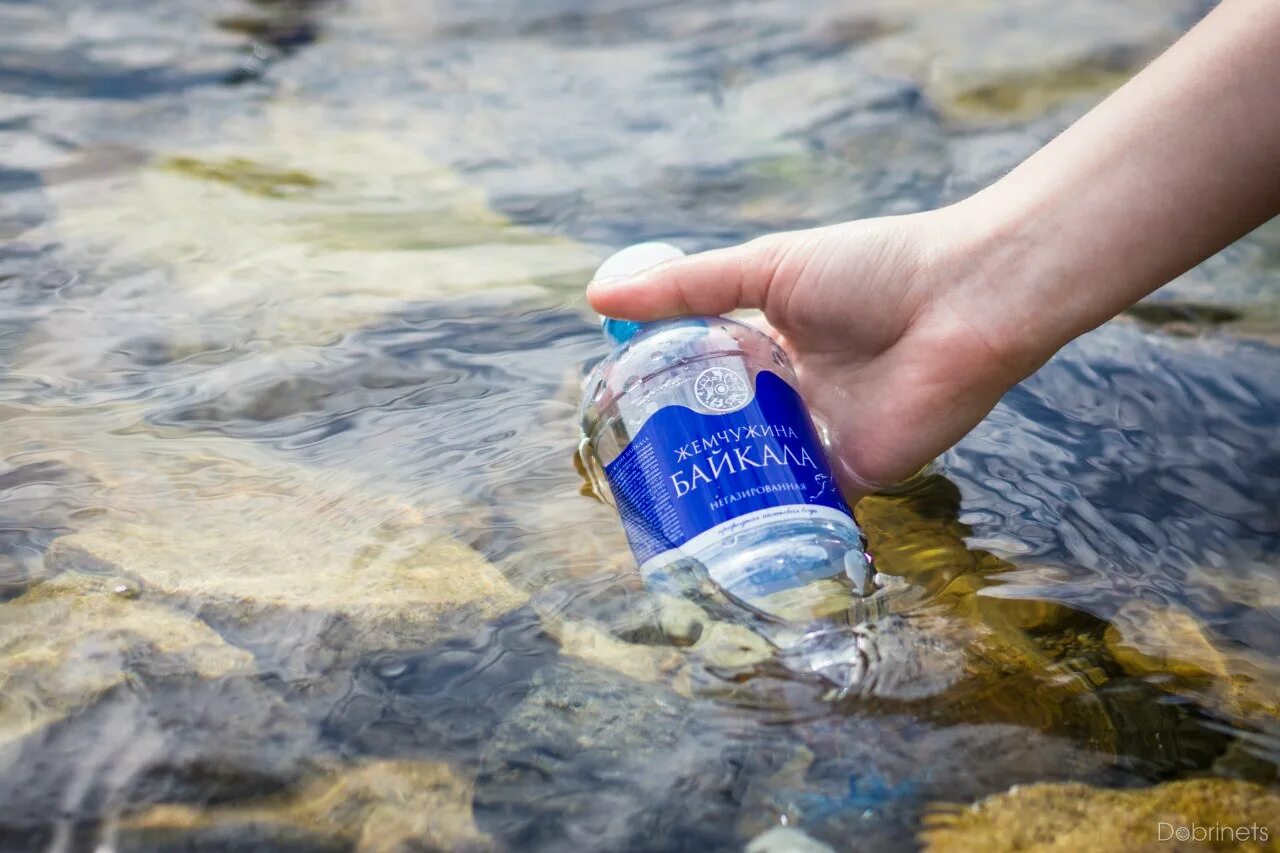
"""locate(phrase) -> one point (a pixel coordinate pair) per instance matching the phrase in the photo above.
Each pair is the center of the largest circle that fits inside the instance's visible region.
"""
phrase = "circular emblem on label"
(720, 389)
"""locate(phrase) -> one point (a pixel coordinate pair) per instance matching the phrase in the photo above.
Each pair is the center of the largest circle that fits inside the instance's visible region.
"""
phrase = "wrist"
(995, 279)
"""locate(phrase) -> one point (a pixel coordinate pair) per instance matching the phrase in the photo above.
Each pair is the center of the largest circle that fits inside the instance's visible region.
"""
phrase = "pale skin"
(905, 331)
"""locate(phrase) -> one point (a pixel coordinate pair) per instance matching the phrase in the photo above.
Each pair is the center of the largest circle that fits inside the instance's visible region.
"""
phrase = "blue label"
(685, 472)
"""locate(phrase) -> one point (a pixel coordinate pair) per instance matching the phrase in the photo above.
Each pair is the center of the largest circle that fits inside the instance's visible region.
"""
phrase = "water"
(294, 551)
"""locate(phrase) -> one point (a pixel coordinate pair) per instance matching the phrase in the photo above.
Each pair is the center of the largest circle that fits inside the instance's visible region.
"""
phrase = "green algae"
(1051, 817)
(245, 175)
(1023, 95)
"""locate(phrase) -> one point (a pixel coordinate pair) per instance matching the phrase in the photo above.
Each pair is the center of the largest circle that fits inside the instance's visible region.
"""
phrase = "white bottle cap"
(636, 258)
(633, 259)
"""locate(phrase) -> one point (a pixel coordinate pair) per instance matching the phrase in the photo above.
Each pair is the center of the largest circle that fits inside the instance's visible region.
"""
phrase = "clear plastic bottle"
(694, 430)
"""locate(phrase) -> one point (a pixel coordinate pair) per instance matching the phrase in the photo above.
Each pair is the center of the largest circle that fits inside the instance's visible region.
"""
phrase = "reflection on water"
(292, 550)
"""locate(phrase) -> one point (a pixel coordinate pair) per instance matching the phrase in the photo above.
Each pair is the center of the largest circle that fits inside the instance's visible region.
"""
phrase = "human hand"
(887, 353)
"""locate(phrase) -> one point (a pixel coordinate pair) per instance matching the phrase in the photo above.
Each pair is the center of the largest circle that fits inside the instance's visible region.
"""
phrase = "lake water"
(293, 551)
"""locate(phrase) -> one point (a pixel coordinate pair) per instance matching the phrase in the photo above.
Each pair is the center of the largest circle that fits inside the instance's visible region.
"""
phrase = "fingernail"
(609, 280)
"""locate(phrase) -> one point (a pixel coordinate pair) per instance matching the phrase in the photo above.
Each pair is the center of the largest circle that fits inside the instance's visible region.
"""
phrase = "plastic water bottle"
(694, 430)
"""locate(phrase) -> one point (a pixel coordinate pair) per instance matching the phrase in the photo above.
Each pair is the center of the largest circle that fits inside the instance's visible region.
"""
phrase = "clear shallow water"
(293, 550)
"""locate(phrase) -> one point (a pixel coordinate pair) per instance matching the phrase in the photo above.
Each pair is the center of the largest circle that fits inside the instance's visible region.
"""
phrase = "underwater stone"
(442, 702)
(629, 765)
(985, 67)
(379, 807)
(70, 639)
(1152, 639)
(302, 588)
(156, 739)
(917, 535)
(332, 235)
(593, 644)
(1171, 647)
(1052, 817)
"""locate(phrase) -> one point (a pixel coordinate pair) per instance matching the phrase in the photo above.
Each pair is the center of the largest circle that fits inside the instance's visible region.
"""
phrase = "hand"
(887, 355)
(905, 331)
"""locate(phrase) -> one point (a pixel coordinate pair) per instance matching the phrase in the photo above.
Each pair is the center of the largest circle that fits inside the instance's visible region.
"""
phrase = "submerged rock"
(1153, 639)
(300, 587)
(1073, 57)
(38, 502)
(1170, 647)
(916, 535)
(622, 765)
(302, 566)
(379, 807)
(294, 244)
(593, 644)
(1216, 813)
(442, 702)
(594, 757)
(155, 739)
(69, 640)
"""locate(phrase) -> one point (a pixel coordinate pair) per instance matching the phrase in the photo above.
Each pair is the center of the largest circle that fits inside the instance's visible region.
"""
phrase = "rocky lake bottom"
(293, 551)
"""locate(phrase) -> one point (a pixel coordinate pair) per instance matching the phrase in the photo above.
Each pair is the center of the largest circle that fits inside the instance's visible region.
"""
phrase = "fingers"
(762, 323)
(709, 283)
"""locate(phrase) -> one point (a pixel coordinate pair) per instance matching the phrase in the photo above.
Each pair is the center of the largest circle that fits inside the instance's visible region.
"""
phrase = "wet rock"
(626, 765)
(440, 703)
(38, 502)
(900, 659)
(723, 645)
(303, 586)
(916, 535)
(244, 175)
(301, 243)
(379, 807)
(1011, 598)
(872, 775)
(1023, 73)
(593, 644)
(1151, 639)
(1253, 584)
(69, 640)
(154, 739)
(1072, 817)
(1172, 648)
(681, 621)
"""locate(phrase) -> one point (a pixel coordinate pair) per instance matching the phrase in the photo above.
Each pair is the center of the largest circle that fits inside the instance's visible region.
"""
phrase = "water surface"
(293, 552)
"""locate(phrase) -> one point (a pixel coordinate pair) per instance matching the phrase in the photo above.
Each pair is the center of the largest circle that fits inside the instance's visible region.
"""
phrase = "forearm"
(1177, 164)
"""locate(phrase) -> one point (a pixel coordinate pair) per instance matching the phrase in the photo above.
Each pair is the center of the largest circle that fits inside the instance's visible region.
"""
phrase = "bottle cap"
(628, 261)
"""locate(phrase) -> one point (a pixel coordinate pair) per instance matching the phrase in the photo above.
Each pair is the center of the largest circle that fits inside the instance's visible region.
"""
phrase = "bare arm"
(1174, 166)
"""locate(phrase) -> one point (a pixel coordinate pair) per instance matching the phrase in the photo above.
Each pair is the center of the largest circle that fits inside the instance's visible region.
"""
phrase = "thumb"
(712, 282)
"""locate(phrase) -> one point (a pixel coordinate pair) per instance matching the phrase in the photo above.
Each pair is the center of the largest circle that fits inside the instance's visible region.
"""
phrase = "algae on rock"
(294, 244)
(1067, 817)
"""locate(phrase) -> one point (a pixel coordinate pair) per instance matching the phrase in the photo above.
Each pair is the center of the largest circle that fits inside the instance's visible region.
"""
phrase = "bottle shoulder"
(675, 345)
